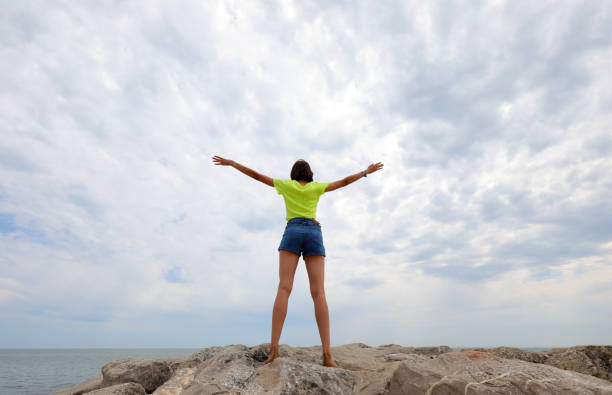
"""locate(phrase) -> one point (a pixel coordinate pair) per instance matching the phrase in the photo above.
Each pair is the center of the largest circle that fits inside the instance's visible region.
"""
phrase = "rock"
(515, 353)
(474, 372)
(206, 353)
(120, 389)
(150, 373)
(88, 385)
(181, 379)
(180, 363)
(429, 351)
(365, 370)
(240, 369)
(593, 360)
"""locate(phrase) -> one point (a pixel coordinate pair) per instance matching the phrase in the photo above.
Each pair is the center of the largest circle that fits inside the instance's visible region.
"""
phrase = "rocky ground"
(387, 369)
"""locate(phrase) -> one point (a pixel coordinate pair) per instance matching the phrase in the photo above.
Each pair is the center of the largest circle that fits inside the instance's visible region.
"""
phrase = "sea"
(44, 371)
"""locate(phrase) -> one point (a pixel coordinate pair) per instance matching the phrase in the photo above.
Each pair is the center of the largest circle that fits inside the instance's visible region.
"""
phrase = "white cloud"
(492, 123)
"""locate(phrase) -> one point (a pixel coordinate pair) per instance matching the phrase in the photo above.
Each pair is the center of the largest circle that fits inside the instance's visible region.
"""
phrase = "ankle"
(328, 360)
(273, 353)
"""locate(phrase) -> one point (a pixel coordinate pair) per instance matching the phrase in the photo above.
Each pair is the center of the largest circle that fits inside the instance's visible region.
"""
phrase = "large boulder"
(240, 369)
(150, 373)
(475, 372)
(593, 360)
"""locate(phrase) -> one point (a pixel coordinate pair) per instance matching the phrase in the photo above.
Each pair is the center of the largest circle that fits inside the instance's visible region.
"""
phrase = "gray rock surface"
(150, 373)
(387, 369)
(88, 385)
(592, 360)
(120, 389)
(514, 353)
(474, 372)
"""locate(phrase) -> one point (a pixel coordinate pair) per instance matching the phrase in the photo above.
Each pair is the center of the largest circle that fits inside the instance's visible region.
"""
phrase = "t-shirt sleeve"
(279, 185)
(322, 186)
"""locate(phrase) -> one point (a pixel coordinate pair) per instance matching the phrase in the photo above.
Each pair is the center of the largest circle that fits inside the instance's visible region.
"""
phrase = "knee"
(284, 288)
(317, 293)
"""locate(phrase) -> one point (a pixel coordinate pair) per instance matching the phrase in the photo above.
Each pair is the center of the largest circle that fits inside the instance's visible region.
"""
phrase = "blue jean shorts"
(303, 236)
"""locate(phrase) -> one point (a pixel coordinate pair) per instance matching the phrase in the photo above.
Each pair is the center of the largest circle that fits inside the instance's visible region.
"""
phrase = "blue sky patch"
(174, 275)
(7, 223)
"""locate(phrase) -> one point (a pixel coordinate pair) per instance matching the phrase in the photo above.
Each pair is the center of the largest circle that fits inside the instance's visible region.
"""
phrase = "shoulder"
(281, 181)
(281, 185)
(319, 186)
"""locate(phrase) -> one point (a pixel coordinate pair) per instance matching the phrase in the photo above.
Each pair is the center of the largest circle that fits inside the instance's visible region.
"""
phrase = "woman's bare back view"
(302, 236)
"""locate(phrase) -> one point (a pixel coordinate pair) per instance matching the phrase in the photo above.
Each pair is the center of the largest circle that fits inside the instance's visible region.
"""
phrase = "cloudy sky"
(491, 223)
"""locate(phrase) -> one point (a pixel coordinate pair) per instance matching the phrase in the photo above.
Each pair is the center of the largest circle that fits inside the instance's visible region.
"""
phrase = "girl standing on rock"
(302, 236)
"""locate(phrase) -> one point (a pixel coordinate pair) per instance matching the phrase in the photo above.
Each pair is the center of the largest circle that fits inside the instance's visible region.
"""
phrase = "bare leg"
(315, 265)
(288, 262)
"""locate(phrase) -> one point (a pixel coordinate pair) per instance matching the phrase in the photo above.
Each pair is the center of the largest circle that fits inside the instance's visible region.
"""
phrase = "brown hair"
(301, 171)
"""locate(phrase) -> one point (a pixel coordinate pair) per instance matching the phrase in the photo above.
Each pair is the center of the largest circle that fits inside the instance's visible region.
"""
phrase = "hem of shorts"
(295, 252)
(306, 256)
(299, 253)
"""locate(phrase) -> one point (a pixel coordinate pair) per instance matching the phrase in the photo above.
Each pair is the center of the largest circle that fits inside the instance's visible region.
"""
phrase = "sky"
(490, 224)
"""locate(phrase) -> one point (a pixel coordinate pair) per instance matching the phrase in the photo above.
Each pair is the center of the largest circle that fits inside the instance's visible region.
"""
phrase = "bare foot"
(273, 354)
(328, 360)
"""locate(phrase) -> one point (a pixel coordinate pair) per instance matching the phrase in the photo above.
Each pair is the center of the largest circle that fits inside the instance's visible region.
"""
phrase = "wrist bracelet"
(364, 173)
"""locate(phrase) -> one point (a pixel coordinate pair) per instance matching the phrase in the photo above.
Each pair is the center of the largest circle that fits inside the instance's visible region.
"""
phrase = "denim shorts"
(303, 236)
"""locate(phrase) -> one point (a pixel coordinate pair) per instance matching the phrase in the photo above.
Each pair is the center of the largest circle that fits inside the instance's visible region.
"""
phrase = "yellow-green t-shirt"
(300, 201)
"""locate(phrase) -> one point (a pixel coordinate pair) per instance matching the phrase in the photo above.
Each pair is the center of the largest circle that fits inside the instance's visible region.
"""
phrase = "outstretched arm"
(347, 180)
(249, 172)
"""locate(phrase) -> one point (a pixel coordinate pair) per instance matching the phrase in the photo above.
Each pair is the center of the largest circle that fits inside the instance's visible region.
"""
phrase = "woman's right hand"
(221, 161)
(374, 167)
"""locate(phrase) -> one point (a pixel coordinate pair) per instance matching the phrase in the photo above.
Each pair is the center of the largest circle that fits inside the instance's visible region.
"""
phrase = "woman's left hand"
(222, 161)
(374, 167)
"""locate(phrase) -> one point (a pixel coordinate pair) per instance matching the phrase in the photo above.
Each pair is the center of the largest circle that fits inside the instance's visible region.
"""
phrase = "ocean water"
(44, 371)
